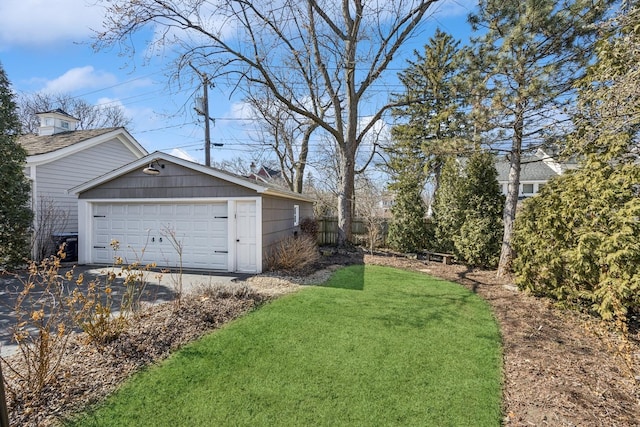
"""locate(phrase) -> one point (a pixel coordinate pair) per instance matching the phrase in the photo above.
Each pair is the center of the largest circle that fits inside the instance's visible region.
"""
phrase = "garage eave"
(159, 156)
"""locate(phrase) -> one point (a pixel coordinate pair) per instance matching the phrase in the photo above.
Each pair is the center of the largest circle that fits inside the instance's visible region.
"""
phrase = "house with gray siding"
(61, 157)
(172, 212)
(535, 171)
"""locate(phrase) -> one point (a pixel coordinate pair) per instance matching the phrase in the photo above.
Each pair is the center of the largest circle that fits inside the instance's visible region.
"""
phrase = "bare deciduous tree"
(90, 116)
(288, 135)
(282, 47)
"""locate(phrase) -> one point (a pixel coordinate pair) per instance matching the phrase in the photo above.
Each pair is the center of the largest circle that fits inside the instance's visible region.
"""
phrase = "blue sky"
(46, 46)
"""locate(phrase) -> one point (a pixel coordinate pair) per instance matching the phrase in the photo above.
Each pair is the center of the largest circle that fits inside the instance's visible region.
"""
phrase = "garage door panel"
(143, 231)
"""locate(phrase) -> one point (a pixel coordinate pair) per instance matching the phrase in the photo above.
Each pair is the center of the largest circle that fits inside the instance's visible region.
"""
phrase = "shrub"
(310, 227)
(468, 211)
(578, 241)
(92, 307)
(41, 329)
(478, 243)
(293, 254)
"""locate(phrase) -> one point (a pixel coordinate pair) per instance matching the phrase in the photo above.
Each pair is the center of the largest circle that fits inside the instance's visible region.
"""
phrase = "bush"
(578, 241)
(293, 254)
(478, 243)
(310, 227)
(41, 329)
(468, 211)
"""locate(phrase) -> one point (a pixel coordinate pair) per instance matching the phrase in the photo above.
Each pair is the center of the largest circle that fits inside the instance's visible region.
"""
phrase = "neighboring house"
(535, 171)
(174, 212)
(61, 157)
(266, 175)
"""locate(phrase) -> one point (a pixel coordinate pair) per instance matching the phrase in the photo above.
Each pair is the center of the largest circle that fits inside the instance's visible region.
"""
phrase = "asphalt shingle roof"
(531, 169)
(36, 144)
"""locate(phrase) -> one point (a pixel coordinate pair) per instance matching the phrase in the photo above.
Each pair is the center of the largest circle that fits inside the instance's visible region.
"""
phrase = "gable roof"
(207, 170)
(43, 149)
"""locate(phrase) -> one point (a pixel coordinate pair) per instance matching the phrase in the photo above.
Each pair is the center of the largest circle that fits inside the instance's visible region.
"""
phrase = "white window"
(65, 125)
(296, 215)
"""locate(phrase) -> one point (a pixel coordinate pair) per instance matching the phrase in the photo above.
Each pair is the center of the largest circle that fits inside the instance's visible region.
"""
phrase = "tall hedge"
(468, 210)
(578, 240)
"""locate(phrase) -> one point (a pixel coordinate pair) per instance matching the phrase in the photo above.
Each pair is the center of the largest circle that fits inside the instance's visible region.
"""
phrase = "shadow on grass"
(353, 278)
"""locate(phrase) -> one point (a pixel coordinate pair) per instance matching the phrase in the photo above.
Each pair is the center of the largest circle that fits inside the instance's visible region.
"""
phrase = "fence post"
(4, 413)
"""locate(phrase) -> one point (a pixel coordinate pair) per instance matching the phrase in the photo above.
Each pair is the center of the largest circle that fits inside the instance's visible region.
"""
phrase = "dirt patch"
(561, 368)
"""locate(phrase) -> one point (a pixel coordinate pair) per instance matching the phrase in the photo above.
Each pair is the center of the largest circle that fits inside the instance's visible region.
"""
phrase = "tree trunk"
(345, 198)
(513, 190)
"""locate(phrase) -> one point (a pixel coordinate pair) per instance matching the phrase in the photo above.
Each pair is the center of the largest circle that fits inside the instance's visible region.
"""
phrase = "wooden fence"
(328, 231)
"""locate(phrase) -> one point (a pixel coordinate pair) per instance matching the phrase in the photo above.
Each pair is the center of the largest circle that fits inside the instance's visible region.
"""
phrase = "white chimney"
(56, 121)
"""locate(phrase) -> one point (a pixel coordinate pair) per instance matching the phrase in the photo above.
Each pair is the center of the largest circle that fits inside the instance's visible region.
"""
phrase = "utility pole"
(204, 111)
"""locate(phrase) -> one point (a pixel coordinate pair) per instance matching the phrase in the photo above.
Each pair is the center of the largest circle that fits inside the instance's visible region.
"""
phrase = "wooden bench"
(435, 256)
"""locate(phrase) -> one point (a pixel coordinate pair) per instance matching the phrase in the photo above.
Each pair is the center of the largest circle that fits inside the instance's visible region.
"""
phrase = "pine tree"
(432, 123)
(527, 56)
(15, 214)
(432, 111)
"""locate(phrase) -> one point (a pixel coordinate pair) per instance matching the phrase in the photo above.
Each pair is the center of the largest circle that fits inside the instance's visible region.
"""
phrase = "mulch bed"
(561, 368)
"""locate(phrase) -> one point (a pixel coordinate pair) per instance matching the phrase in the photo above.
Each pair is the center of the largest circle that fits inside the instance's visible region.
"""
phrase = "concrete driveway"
(160, 287)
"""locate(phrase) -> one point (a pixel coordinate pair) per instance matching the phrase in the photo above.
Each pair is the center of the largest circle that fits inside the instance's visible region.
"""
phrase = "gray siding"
(277, 220)
(174, 181)
(54, 179)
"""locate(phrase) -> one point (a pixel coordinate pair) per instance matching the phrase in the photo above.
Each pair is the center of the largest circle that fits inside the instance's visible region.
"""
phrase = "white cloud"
(81, 78)
(240, 110)
(180, 153)
(45, 22)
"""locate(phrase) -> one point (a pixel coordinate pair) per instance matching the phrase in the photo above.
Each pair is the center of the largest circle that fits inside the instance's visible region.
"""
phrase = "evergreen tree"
(578, 240)
(479, 239)
(448, 206)
(15, 214)
(432, 112)
(527, 57)
(432, 122)
(407, 230)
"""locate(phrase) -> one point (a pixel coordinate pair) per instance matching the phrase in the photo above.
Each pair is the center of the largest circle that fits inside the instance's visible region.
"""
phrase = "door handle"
(237, 240)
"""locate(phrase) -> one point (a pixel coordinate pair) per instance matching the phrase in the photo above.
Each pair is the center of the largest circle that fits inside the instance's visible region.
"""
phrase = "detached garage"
(167, 210)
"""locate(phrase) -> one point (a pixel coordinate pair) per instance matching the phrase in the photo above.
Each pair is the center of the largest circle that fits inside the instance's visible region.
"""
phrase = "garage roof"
(260, 188)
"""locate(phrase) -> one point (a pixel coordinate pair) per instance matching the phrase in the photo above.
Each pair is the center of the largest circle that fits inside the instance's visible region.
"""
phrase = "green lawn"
(374, 346)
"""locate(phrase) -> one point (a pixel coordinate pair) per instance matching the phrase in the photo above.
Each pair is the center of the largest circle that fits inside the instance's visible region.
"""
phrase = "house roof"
(36, 144)
(58, 111)
(532, 168)
(214, 172)
(540, 166)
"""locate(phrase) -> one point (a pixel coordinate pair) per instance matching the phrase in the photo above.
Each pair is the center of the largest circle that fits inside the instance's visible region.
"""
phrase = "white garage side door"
(162, 233)
(246, 255)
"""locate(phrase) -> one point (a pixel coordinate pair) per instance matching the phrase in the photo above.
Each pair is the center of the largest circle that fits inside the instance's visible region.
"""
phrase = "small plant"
(91, 310)
(178, 247)
(293, 254)
(42, 329)
(92, 307)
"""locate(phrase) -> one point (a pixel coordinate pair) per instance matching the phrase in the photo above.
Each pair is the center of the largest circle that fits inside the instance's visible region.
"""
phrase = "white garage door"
(162, 233)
